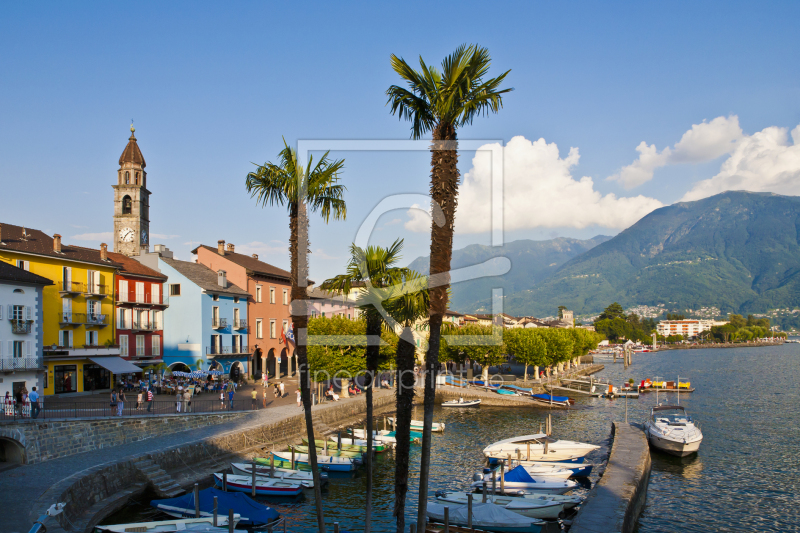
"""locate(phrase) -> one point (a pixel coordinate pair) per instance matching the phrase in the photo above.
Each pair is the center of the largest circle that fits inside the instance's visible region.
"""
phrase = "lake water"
(745, 477)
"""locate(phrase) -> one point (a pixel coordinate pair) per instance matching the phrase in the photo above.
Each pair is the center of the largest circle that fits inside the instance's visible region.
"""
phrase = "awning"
(116, 365)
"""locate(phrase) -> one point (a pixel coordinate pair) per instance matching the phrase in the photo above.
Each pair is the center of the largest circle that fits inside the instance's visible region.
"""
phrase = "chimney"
(57, 243)
(255, 256)
(221, 279)
(103, 252)
(230, 247)
(221, 247)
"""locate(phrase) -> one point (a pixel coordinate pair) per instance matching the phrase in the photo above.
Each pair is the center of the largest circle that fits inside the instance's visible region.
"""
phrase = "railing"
(240, 324)
(20, 326)
(21, 363)
(219, 323)
(96, 289)
(96, 320)
(225, 350)
(72, 287)
(143, 326)
(72, 318)
(146, 299)
(100, 408)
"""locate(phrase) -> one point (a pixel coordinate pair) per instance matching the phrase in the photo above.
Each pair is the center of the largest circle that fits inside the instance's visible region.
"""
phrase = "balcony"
(240, 323)
(96, 290)
(10, 364)
(21, 327)
(97, 320)
(69, 289)
(227, 350)
(219, 323)
(71, 319)
(141, 299)
(143, 325)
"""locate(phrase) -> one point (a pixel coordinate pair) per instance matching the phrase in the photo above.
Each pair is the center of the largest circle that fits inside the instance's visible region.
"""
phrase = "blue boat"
(518, 389)
(574, 460)
(484, 384)
(414, 434)
(506, 392)
(549, 399)
(253, 513)
(577, 469)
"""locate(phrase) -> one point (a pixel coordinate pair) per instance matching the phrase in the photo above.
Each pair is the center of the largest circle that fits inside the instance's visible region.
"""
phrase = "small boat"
(486, 516)
(461, 402)
(285, 465)
(552, 401)
(382, 436)
(669, 429)
(285, 474)
(351, 444)
(247, 511)
(264, 486)
(484, 384)
(577, 469)
(331, 451)
(542, 469)
(567, 501)
(517, 389)
(415, 435)
(417, 425)
(533, 508)
(519, 479)
(507, 392)
(325, 462)
(538, 447)
(195, 525)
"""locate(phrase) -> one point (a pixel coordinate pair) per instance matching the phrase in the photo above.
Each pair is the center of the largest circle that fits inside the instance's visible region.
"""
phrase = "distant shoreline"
(724, 345)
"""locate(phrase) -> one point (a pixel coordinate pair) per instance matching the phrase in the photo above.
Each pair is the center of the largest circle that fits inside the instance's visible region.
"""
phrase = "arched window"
(126, 205)
(127, 177)
(137, 178)
(19, 291)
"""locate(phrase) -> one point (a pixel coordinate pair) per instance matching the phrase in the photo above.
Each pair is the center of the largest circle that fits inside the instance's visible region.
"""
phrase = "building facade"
(131, 202)
(268, 305)
(688, 328)
(21, 330)
(139, 311)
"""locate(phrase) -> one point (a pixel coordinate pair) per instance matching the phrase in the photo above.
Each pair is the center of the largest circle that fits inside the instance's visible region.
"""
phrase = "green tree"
(737, 321)
(314, 188)
(527, 346)
(675, 316)
(613, 311)
(333, 359)
(442, 102)
(474, 344)
(560, 345)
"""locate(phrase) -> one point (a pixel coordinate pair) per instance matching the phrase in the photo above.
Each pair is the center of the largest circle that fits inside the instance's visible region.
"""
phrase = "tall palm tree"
(314, 188)
(407, 304)
(441, 102)
(370, 270)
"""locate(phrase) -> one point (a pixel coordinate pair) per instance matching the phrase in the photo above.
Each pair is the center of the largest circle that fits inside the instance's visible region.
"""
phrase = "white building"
(688, 328)
(21, 362)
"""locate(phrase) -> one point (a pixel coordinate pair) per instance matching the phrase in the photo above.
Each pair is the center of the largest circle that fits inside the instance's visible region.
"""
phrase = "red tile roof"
(251, 263)
(133, 267)
(37, 242)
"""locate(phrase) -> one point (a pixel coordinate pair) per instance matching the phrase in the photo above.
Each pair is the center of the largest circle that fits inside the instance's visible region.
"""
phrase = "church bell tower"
(131, 202)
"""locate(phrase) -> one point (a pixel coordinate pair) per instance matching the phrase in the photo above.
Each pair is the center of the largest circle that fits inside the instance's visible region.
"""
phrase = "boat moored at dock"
(538, 447)
(671, 430)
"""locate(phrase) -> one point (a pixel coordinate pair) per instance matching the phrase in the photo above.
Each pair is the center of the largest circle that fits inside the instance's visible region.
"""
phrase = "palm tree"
(313, 187)
(442, 102)
(370, 269)
(407, 304)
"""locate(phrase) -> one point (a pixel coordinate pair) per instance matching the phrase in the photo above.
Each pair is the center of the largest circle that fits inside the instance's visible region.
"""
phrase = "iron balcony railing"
(219, 323)
(240, 323)
(96, 320)
(227, 350)
(72, 318)
(71, 287)
(96, 289)
(21, 363)
(141, 299)
(143, 326)
(21, 327)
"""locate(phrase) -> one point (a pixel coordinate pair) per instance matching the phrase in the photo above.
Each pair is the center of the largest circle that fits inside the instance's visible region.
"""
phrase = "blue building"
(201, 321)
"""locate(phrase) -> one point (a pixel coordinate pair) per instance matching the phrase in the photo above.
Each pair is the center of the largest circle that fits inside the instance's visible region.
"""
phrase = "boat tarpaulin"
(252, 513)
(115, 364)
(518, 474)
(548, 397)
(482, 514)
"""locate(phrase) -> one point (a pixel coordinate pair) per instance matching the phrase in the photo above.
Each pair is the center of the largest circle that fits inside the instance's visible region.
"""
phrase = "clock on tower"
(131, 202)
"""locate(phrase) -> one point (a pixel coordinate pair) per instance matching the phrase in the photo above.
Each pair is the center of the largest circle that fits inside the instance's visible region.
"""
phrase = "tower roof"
(132, 154)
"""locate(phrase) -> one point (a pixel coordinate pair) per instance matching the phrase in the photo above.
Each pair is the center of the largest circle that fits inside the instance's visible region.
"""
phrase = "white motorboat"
(325, 462)
(203, 524)
(380, 436)
(538, 447)
(519, 481)
(295, 476)
(461, 402)
(533, 508)
(486, 516)
(671, 430)
(418, 425)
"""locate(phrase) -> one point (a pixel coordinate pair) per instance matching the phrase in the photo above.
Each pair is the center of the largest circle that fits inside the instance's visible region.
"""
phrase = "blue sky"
(213, 87)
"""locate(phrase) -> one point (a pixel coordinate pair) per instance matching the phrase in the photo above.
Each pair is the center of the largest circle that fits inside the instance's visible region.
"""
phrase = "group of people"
(23, 403)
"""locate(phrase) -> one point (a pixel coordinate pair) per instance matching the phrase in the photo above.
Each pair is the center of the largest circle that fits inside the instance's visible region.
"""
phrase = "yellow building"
(78, 322)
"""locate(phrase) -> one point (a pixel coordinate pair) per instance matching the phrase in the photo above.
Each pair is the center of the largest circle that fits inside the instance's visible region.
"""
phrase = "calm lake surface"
(745, 477)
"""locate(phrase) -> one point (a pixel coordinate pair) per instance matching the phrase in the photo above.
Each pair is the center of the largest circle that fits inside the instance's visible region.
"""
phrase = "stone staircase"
(162, 483)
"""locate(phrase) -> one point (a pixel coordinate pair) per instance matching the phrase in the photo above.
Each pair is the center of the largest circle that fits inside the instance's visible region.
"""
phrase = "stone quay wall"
(50, 439)
(616, 502)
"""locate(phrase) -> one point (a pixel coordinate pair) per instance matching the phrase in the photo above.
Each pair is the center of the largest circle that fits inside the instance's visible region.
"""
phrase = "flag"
(288, 336)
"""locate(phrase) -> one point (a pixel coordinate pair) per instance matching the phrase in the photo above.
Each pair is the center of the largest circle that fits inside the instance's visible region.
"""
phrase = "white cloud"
(540, 191)
(103, 236)
(763, 162)
(320, 253)
(263, 249)
(393, 222)
(162, 236)
(704, 142)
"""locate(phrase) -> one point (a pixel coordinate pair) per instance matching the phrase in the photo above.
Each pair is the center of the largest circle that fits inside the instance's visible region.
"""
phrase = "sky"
(617, 109)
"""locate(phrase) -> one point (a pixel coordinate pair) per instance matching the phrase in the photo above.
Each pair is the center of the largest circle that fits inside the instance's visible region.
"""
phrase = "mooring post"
(446, 519)
(339, 441)
(469, 510)
(529, 444)
(215, 511)
(272, 465)
(230, 520)
(336, 527)
(352, 436)
(485, 490)
(519, 456)
(292, 464)
(502, 478)
(494, 484)
(253, 479)
(196, 500)
(412, 528)
(225, 482)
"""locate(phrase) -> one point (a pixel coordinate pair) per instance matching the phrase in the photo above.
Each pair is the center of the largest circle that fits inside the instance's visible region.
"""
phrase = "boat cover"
(414, 434)
(503, 391)
(546, 397)
(252, 512)
(518, 474)
(514, 387)
(482, 514)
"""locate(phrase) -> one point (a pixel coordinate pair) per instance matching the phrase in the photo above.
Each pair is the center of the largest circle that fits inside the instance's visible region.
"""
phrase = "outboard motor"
(477, 476)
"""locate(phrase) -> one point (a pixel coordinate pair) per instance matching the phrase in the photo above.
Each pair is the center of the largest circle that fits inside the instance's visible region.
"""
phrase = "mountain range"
(738, 251)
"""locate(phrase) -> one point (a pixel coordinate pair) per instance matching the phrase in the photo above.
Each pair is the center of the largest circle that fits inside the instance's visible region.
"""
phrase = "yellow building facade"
(78, 310)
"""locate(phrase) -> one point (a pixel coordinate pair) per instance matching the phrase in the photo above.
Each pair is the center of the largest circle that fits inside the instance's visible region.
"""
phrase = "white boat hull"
(547, 509)
(531, 448)
(680, 449)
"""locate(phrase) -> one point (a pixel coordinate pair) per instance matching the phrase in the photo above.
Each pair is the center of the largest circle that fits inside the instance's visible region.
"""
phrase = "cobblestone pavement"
(22, 486)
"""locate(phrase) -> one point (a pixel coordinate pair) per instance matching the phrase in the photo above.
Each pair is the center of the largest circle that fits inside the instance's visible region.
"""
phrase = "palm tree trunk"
(404, 384)
(373, 329)
(298, 225)
(444, 192)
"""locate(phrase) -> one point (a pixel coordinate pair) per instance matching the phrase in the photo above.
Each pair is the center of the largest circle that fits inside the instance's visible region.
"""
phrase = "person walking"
(34, 399)
(230, 396)
(264, 397)
(187, 397)
(139, 400)
(299, 402)
(149, 399)
(114, 400)
(254, 398)
(283, 391)
(120, 402)
(178, 401)
(221, 399)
